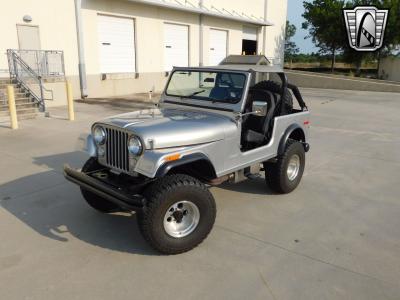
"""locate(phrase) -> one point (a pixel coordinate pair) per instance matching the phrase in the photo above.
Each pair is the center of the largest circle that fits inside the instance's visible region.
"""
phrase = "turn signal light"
(173, 157)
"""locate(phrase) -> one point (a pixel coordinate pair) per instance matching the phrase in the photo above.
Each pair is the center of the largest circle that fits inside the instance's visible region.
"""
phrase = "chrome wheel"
(181, 219)
(293, 167)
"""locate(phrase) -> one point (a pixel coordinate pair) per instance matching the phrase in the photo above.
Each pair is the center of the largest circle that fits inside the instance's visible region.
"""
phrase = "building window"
(116, 44)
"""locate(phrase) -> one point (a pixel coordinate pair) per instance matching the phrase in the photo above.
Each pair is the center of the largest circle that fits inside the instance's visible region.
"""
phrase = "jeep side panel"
(226, 155)
(236, 159)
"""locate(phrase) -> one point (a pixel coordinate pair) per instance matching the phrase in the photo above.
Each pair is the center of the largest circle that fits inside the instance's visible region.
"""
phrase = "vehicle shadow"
(256, 186)
(54, 208)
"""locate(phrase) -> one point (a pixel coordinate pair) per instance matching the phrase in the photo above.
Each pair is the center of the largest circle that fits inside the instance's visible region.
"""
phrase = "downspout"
(81, 50)
(264, 52)
(201, 36)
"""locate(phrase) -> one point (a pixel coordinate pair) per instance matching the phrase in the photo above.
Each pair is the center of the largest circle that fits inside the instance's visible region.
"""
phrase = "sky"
(295, 10)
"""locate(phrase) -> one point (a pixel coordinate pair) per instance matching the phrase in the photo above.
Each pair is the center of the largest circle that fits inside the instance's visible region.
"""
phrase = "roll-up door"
(218, 46)
(117, 44)
(176, 46)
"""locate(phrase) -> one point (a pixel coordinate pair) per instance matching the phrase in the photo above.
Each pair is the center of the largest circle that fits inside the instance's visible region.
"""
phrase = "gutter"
(203, 11)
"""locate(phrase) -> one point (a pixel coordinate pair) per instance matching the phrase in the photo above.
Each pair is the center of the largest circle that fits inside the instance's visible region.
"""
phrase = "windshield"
(207, 86)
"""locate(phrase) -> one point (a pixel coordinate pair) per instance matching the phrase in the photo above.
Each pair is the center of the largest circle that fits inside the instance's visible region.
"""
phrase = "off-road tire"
(274, 87)
(160, 196)
(276, 172)
(93, 200)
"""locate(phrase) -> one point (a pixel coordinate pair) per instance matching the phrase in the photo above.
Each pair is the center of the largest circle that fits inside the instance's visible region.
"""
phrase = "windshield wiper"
(224, 100)
(192, 94)
(213, 100)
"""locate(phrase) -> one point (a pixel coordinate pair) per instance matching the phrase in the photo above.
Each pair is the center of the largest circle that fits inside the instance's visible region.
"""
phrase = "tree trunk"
(358, 67)
(379, 63)
(333, 60)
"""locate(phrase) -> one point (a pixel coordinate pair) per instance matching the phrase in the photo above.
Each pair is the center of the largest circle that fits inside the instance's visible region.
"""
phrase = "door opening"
(249, 40)
(249, 47)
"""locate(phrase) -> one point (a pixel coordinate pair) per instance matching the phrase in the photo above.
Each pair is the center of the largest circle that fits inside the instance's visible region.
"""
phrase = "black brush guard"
(106, 191)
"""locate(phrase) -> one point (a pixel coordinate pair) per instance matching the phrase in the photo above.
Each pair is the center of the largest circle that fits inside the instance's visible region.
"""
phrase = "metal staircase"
(26, 108)
(29, 69)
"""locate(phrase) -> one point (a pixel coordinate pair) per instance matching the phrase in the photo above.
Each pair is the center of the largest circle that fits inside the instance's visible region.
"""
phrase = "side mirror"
(209, 80)
(260, 108)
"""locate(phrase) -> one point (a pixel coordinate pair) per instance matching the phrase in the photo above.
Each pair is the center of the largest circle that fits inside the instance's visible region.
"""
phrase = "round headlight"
(99, 135)
(135, 146)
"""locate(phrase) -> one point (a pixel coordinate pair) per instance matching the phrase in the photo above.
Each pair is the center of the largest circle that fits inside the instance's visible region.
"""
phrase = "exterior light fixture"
(27, 18)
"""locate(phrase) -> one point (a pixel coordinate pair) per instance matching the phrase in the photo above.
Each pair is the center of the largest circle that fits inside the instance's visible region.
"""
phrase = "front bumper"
(106, 191)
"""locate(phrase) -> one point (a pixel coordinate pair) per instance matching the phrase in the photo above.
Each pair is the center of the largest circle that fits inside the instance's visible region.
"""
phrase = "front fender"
(86, 144)
(167, 166)
(154, 163)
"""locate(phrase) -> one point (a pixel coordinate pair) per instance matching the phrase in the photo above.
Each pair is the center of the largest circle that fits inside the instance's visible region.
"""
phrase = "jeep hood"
(167, 128)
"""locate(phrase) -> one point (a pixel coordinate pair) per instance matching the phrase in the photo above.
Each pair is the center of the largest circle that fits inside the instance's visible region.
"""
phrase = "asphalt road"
(336, 237)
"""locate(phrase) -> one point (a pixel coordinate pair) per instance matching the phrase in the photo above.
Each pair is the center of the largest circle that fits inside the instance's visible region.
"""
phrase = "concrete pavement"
(335, 237)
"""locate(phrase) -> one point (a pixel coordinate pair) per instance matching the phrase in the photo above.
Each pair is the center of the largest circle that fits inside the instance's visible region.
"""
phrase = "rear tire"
(179, 214)
(285, 175)
(94, 201)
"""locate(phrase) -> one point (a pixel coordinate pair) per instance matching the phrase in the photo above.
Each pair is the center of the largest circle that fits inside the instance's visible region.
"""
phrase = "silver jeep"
(213, 125)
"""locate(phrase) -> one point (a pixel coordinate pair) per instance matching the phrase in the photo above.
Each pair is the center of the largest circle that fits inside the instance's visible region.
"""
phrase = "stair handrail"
(39, 77)
(14, 60)
(46, 63)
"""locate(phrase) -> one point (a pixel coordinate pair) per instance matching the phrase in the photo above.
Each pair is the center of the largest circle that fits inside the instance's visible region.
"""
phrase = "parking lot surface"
(336, 237)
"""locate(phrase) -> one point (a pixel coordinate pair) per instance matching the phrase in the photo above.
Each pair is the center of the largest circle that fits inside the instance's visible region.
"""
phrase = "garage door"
(249, 33)
(218, 46)
(117, 44)
(176, 46)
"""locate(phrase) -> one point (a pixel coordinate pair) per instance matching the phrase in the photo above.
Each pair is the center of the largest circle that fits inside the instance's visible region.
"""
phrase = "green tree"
(325, 24)
(290, 47)
(392, 33)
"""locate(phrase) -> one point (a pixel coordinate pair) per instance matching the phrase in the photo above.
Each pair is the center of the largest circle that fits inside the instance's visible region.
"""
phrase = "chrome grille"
(117, 155)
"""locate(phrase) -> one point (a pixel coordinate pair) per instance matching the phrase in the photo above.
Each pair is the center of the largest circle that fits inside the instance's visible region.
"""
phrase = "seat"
(220, 93)
(256, 128)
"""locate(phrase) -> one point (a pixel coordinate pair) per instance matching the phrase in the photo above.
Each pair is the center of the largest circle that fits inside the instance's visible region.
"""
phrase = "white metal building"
(120, 47)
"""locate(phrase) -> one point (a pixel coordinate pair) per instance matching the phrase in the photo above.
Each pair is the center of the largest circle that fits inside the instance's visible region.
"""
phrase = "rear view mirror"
(209, 80)
(260, 108)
